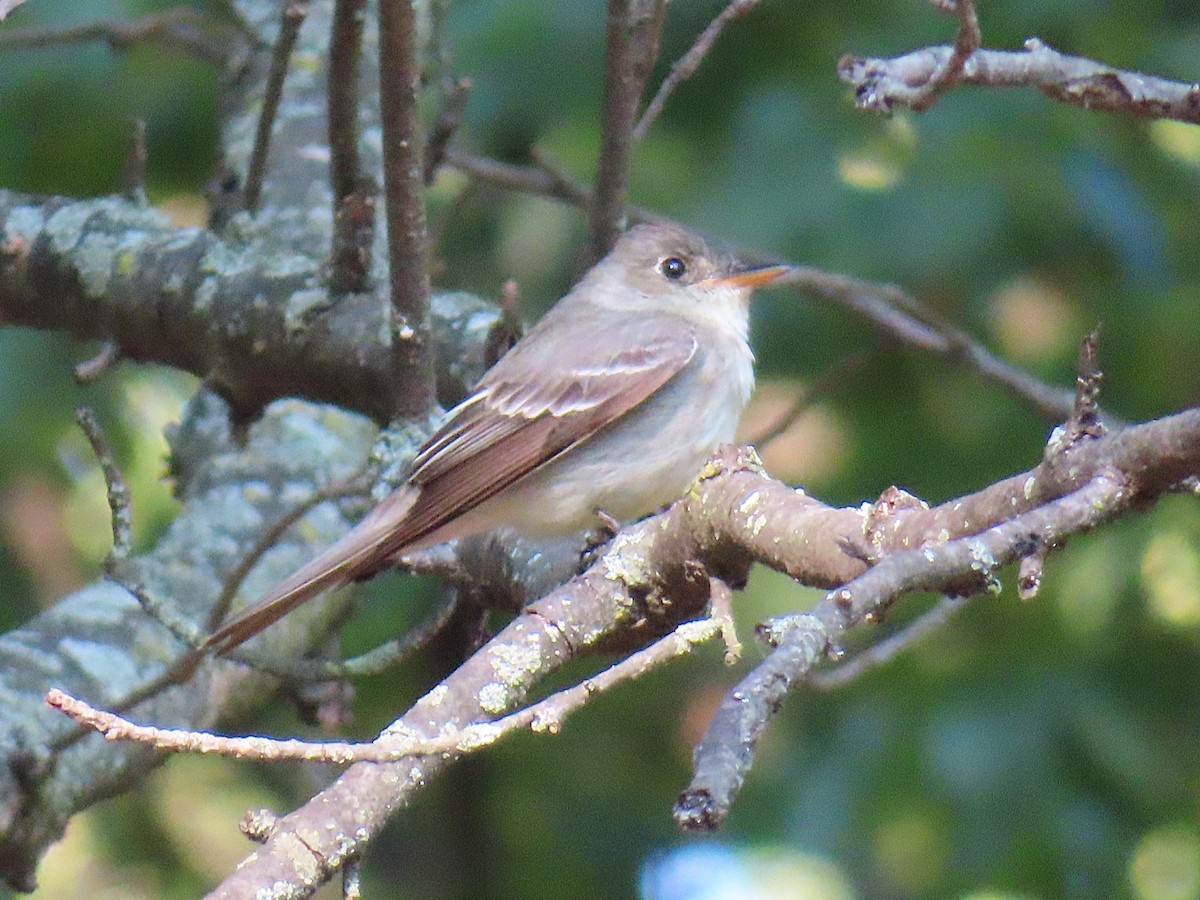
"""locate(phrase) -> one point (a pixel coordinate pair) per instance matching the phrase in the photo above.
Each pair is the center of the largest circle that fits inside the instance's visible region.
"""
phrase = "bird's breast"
(648, 457)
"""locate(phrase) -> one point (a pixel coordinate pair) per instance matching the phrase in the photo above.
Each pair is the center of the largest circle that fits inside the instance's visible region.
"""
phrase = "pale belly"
(638, 464)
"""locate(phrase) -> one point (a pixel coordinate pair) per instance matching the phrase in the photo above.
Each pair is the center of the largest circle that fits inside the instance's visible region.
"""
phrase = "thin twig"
(966, 42)
(91, 369)
(374, 662)
(685, 67)
(1085, 421)
(448, 120)
(544, 717)
(180, 26)
(133, 172)
(899, 314)
(408, 264)
(886, 306)
(526, 179)
(810, 393)
(114, 480)
(294, 12)
(887, 649)
(632, 35)
(727, 750)
(722, 615)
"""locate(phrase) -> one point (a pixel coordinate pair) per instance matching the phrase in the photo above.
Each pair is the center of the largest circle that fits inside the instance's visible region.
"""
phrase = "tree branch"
(110, 270)
(353, 200)
(633, 31)
(399, 77)
(291, 18)
(886, 306)
(181, 27)
(649, 578)
(883, 84)
(685, 67)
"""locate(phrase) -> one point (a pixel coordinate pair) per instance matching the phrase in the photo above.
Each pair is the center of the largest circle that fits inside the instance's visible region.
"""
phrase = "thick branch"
(109, 270)
(735, 514)
(944, 549)
(634, 27)
(399, 74)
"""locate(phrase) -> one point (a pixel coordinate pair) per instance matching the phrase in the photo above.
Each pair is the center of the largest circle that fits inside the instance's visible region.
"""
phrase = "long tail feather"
(355, 553)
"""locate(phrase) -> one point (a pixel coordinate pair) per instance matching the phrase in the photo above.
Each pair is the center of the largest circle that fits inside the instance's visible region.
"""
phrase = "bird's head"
(668, 268)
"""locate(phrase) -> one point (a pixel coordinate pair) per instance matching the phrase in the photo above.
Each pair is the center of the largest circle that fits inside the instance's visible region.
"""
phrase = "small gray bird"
(610, 404)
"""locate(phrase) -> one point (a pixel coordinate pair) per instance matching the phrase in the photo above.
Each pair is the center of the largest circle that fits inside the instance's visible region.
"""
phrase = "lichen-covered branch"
(955, 548)
(653, 575)
(109, 270)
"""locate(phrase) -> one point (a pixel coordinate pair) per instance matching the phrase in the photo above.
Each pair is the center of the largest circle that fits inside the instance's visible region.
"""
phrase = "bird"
(608, 408)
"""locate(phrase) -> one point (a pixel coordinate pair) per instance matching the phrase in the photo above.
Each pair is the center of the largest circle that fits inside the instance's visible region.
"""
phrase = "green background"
(1028, 749)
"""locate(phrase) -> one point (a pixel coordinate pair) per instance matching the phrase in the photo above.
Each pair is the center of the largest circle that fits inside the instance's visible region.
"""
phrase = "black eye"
(673, 268)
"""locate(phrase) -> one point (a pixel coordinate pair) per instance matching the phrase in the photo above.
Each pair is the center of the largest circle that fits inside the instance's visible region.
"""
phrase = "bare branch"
(399, 74)
(810, 393)
(1085, 421)
(735, 514)
(633, 31)
(294, 12)
(966, 42)
(900, 315)
(886, 306)
(133, 172)
(92, 369)
(181, 27)
(353, 205)
(882, 84)
(527, 179)
(727, 751)
(118, 488)
(448, 120)
(173, 296)
(889, 648)
(685, 67)
(544, 717)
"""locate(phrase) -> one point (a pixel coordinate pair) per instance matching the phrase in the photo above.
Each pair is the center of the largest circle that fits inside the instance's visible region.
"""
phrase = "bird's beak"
(747, 278)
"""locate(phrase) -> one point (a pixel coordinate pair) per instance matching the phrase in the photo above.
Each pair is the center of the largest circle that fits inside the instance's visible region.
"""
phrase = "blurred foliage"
(1027, 750)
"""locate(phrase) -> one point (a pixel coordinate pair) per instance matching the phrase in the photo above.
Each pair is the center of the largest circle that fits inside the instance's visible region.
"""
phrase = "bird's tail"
(362, 549)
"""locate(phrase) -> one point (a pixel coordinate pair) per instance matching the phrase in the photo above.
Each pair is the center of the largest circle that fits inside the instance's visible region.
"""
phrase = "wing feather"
(528, 410)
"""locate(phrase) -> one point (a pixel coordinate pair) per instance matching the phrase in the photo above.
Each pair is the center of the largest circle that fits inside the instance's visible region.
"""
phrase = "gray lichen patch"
(626, 562)
(94, 259)
(102, 663)
(494, 698)
(301, 306)
(227, 260)
(289, 265)
(24, 222)
(514, 663)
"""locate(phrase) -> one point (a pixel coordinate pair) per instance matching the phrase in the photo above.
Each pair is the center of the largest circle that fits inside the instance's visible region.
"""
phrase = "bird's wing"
(531, 407)
(521, 417)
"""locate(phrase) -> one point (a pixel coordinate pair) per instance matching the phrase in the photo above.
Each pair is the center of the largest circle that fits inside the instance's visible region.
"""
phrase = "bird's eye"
(673, 268)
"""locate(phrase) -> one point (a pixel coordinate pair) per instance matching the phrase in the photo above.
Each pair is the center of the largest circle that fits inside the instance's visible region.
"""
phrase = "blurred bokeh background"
(1026, 750)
